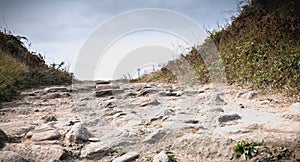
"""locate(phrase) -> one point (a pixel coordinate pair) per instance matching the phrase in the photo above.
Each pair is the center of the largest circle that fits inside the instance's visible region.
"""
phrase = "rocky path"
(144, 122)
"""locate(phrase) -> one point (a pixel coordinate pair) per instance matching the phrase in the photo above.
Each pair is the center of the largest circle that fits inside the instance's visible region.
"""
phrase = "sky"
(120, 30)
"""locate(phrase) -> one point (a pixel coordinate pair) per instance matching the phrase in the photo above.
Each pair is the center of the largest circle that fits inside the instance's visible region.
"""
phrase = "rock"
(155, 136)
(153, 102)
(10, 156)
(108, 92)
(94, 139)
(56, 89)
(171, 93)
(110, 105)
(97, 150)
(106, 86)
(216, 109)
(16, 129)
(216, 99)
(77, 134)
(191, 92)
(247, 95)
(147, 91)
(295, 108)
(56, 95)
(49, 118)
(208, 147)
(191, 121)
(251, 95)
(116, 115)
(3, 138)
(227, 118)
(161, 157)
(102, 82)
(128, 157)
(33, 152)
(46, 135)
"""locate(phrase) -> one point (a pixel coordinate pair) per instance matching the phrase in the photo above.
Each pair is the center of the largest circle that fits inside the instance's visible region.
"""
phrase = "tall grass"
(260, 49)
(12, 75)
(20, 69)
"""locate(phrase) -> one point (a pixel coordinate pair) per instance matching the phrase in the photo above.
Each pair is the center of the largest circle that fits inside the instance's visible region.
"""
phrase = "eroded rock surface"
(114, 121)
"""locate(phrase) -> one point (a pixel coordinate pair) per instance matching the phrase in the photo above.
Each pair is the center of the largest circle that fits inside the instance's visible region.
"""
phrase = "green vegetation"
(260, 49)
(20, 68)
(245, 150)
(260, 152)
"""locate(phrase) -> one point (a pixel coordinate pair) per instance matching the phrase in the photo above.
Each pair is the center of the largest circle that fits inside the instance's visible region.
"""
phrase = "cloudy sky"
(59, 29)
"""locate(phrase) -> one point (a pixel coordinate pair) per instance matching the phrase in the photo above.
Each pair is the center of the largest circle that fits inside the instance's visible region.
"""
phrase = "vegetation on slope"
(20, 68)
(260, 49)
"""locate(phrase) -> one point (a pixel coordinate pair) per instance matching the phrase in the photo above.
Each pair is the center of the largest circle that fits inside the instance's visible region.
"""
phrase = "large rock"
(155, 136)
(10, 156)
(16, 129)
(46, 135)
(77, 134)
(128, 157)
(36, 152)
(208, 147)
(97, 150)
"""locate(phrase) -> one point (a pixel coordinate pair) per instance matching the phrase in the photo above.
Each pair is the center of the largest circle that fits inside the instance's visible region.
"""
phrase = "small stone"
(94, 140)
(106, 86)
(56, 89)
(190, 93)
(108, 92)
(110, 105)
(295, 108)
(3, 138)
(128, 157)
(52, 96)
(251, 95)
(155, 136)
(102, 82)
(217, 99)
(118, 115)
(147, 91)
(153, 102)
(161, 157)
(49, 118)
(216, 109)
(247, 95)
(192, 121)
(227, 118)
(242, 106)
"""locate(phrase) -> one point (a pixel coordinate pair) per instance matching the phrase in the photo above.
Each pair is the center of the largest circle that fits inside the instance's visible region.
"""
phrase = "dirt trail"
(149, 122)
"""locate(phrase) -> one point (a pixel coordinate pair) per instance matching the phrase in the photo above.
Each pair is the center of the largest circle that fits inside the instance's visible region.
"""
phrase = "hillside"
(21, 69)
(259, 49)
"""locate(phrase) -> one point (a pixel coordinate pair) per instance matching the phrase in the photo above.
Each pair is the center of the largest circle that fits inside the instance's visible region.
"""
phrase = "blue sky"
(59, 28)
